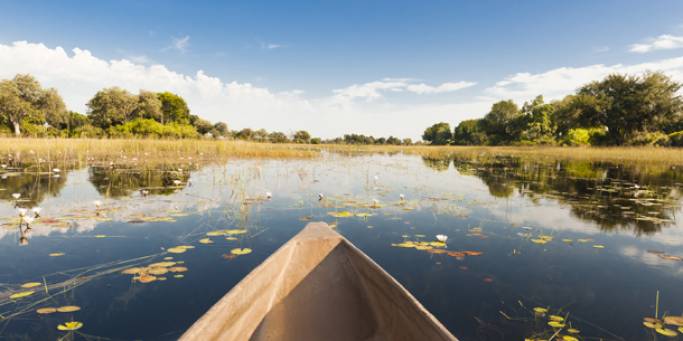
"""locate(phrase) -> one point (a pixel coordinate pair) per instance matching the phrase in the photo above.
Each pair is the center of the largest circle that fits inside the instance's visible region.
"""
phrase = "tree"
(245, 134)
(497, 123)
(277, 137)
(22, 98)
(630, 105)
(148, 106)
(12, 106)
(535, 122)
(174, 108)
(469, 132)
(302, 136)
(111, 107)
(393, 140)
(438, 134)
(220, 129)
(203, 126)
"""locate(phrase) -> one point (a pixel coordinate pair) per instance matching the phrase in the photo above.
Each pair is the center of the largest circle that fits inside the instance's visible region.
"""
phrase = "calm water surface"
(591, 242)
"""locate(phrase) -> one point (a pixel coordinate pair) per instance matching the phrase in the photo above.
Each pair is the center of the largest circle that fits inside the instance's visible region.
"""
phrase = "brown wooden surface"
(318, 286)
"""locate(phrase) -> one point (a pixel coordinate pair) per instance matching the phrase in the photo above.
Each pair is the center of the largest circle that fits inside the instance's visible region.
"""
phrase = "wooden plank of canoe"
(318, 286)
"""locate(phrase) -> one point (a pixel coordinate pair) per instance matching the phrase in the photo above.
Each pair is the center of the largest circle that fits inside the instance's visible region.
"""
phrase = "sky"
(335, 67)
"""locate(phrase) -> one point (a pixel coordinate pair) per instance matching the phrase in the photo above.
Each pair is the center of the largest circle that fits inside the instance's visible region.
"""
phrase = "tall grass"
(88, 150)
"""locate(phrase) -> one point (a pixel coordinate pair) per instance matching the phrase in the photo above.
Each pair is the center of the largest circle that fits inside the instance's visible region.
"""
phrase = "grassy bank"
(83, 150)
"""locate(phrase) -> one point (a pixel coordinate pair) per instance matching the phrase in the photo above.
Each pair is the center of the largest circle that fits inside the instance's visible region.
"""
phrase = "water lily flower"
(56, 170)
(442, 237)
(402, 197)
(16, 195)
(28, 220)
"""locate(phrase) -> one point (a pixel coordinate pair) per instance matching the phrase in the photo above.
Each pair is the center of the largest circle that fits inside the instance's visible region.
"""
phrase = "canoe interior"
(318, 286)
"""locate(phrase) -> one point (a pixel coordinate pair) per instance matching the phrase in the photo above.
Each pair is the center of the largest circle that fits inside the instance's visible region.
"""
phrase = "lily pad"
(46, 310)
(240, 251)
(68, 309)
(21, 294)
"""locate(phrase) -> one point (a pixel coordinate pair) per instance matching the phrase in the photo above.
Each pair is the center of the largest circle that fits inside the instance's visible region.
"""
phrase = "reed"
(85, 150)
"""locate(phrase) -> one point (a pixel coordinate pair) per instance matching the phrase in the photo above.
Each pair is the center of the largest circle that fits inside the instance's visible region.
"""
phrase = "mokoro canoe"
(318, 286)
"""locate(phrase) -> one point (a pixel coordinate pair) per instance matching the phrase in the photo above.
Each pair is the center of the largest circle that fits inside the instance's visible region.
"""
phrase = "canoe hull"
(318, 286)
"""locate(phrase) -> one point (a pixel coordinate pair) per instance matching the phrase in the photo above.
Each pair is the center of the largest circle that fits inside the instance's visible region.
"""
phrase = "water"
(497, 207)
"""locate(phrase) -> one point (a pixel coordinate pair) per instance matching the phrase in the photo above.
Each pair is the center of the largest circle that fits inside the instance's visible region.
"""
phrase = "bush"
(586, 137)
(676, 139)
(141, 127)
(648, 139)
(87, 130)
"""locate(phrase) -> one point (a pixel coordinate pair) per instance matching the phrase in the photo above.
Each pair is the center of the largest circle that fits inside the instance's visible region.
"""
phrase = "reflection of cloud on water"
(651, 259)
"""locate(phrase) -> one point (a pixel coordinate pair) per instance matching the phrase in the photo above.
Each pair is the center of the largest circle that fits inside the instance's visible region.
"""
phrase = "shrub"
(676, 139)
(648, 139)
(141, 127)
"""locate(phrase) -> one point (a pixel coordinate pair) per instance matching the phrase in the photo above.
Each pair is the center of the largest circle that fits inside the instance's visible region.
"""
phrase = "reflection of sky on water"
(593, 284)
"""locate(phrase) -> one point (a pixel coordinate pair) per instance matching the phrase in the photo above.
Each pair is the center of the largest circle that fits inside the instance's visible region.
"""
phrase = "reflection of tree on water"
(438, 164)
(120, 181)
(32, 186)
(643, 198)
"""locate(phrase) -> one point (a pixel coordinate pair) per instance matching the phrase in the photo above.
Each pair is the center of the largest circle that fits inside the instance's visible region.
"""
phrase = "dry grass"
(85, 150)
(611, 154)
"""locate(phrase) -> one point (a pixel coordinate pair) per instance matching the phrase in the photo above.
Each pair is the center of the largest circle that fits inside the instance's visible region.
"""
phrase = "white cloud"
(559, 82)
(78, 75)
(663, 42)
(271, 46)
(373, 90)
(181, 44)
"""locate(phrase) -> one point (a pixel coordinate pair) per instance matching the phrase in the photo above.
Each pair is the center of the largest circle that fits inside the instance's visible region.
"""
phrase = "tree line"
(28, 109)
(618, 110)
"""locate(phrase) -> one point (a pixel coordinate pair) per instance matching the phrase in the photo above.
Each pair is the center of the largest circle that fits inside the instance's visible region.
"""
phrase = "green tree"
(498, 122)
(148, 106)
(302, 136)
(174, 108)
(203, 126)
(111, 107)
(220, 129)
(468, 133)
(245, 134)
(630, 105)
(277, 137)
(535, 124)
(438, 134)
(22, 100)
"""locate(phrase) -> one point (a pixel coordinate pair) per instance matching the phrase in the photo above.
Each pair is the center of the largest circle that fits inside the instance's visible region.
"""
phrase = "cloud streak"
(662, 42)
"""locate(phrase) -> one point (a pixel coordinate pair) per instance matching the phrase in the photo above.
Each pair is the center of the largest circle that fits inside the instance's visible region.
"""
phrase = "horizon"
(378, 69)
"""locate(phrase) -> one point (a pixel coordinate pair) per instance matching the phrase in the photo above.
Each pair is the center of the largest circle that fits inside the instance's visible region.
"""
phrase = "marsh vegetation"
(498, 243)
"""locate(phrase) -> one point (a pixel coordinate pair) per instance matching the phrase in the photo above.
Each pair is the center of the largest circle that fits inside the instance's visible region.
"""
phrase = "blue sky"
(311, 51)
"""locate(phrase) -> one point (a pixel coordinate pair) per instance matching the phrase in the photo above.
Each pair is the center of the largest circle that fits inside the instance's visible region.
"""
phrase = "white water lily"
(16, 195)
(442, 237)
(402, 197)
(56, 170)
